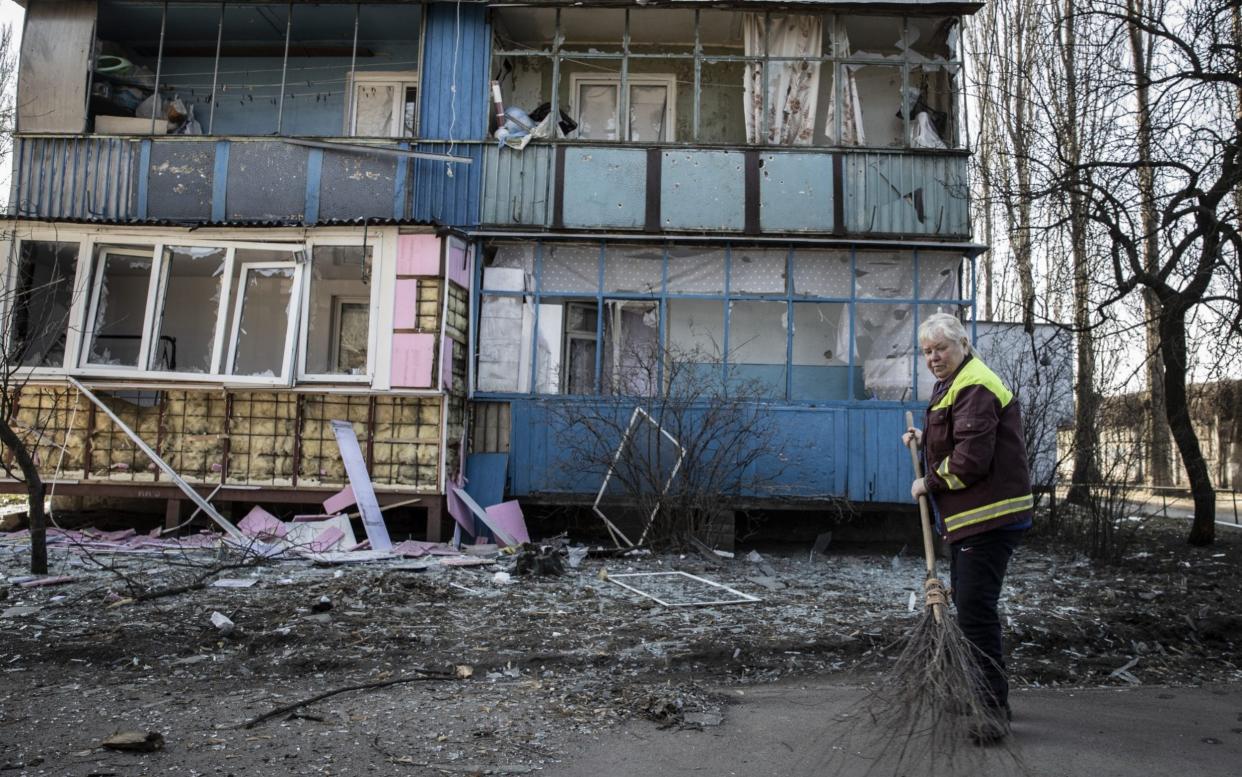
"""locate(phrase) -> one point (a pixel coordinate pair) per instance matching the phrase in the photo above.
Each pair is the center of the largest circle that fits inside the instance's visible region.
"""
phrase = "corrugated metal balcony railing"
(212, 180)
(747, 191)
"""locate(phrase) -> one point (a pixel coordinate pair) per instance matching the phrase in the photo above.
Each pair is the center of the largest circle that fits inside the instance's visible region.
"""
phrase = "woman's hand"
(912, 434)
(918, 488)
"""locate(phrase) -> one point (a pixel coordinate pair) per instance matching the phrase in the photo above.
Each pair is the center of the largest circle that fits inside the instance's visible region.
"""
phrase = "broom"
(928, 707)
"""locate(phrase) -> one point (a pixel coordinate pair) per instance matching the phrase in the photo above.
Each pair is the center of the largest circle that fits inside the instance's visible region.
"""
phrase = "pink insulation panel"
(412, 357)
(418, 255)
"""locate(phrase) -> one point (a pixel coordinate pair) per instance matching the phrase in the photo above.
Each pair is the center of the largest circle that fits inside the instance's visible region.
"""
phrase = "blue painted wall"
(456, 58)
(844, 450)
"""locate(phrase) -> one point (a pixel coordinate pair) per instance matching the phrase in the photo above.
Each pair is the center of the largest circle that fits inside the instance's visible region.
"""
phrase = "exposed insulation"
(428, 319)
(260, 438)
(457, 321)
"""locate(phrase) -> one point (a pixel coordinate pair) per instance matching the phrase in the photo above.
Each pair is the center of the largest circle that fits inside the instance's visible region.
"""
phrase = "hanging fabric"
(792, 87)
(852, 133)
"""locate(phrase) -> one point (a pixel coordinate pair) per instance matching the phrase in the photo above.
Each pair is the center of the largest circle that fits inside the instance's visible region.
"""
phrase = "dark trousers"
(977, 571)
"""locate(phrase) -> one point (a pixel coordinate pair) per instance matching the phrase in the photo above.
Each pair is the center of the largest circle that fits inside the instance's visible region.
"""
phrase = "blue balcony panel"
(182, 178)
(908, 194)
(839, 450)
(453, 84)
(76, 178)
(795, 191)
(517, 186)
(447, 192)
(703, 190)
(605, 187)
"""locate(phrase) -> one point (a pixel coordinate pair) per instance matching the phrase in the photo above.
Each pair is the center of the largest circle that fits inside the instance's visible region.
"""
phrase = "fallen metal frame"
(613, 529)
(164, 466)
(741, 598)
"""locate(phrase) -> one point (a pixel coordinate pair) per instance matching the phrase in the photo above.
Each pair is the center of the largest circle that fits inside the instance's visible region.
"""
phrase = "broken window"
(634, 268)
(884, 347)
(338, 310)
(886, 275)
(188, 299)
(631, 363)
(758, 271)
(260, 313)
(821, 340)
(256, 68)
(758, 346)
(581, 347)
(693, 270)
(118, 306)
(821, 273)
(939, 273)
(40, 303)
(647, 104)
(570, 267)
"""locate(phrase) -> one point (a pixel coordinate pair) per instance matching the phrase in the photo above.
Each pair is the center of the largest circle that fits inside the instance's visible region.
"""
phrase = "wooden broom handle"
(929, 548)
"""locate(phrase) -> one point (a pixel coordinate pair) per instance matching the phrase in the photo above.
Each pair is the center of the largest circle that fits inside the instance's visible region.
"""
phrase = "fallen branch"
(422, 675)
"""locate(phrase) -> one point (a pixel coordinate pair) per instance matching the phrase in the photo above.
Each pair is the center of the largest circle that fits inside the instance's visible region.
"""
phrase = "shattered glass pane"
(631, 348)
(42, 296)
(548, 359)
(572, 268)
(757, 271)
(696, 271)
(648, 113)
(885, 275)
(373, 109)
(338, 325)
(187, 326)
(821, 350)
(597, 111)
(757, 345)
(821, 273)
(263, 324)
(884, 343)
(122, 280)
(634, 268)
(938, 274)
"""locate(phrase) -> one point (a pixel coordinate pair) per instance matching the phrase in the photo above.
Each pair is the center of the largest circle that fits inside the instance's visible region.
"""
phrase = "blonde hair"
(943, 325)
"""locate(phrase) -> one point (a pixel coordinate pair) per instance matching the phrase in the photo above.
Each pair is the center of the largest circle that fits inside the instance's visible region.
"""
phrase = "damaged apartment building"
(439, 220)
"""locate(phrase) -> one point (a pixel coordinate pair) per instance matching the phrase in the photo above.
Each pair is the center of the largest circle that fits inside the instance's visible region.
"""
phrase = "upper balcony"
(668, 119)
(297, 113)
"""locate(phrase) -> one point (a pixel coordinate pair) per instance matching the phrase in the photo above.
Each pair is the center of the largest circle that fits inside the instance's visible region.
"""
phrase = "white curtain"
(852, 133)
(792, 87)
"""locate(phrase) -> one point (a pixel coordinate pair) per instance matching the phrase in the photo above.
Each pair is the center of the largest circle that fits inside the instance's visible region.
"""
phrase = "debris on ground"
(135, 741)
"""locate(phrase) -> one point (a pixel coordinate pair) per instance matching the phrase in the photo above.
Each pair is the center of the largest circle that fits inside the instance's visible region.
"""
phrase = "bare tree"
(677, 440)
(1195, 168)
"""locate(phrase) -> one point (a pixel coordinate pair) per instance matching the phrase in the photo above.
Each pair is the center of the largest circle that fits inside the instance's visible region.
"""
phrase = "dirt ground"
(517, 672)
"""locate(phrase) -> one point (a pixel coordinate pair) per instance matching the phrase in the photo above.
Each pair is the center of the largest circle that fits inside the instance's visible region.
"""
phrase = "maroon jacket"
(975, 454)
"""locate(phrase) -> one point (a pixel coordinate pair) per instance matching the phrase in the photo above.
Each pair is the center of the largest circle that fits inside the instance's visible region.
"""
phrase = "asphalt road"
(782, 730)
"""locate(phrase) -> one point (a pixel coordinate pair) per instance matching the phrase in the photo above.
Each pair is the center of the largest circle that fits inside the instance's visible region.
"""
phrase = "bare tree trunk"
(1086, 433)
(35, 492)
(1173, 349)
(1140, 53)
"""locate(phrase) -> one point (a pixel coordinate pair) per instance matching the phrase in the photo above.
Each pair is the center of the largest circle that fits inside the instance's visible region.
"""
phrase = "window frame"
(98, 265)
(624, 101)
(401, 80)
(375, 243)
(226, 370)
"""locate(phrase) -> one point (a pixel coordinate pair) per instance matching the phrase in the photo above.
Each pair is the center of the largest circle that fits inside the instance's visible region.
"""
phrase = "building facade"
(243, 220)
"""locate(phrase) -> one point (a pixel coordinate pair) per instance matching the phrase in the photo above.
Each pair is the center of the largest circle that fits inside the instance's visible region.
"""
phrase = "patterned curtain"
(792, 87)
(852, 133)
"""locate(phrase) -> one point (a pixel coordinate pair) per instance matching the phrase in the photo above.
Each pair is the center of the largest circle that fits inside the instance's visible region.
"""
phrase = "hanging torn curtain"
(852, 133)
(792, 87)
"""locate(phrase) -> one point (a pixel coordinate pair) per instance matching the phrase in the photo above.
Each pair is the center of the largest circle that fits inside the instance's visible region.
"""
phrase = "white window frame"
(667, 80)
(107, 251)
(290, 322)
(10, 247)
(376, 244)
(401, 80)
(571, 336)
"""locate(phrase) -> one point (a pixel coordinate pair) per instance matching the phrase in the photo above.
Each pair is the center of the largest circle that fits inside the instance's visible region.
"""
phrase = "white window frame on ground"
(669, 81)
(400, 80)
(376, 244)
(290, 323)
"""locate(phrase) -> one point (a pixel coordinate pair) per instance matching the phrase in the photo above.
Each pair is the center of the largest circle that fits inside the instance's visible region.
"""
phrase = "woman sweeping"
(979, 485)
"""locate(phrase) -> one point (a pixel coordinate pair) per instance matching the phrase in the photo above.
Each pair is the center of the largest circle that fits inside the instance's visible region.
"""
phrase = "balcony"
(745, 192)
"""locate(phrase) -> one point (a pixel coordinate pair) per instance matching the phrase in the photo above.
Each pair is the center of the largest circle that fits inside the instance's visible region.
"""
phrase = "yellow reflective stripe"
(951, 480)
(976, 373)
(979, 514)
